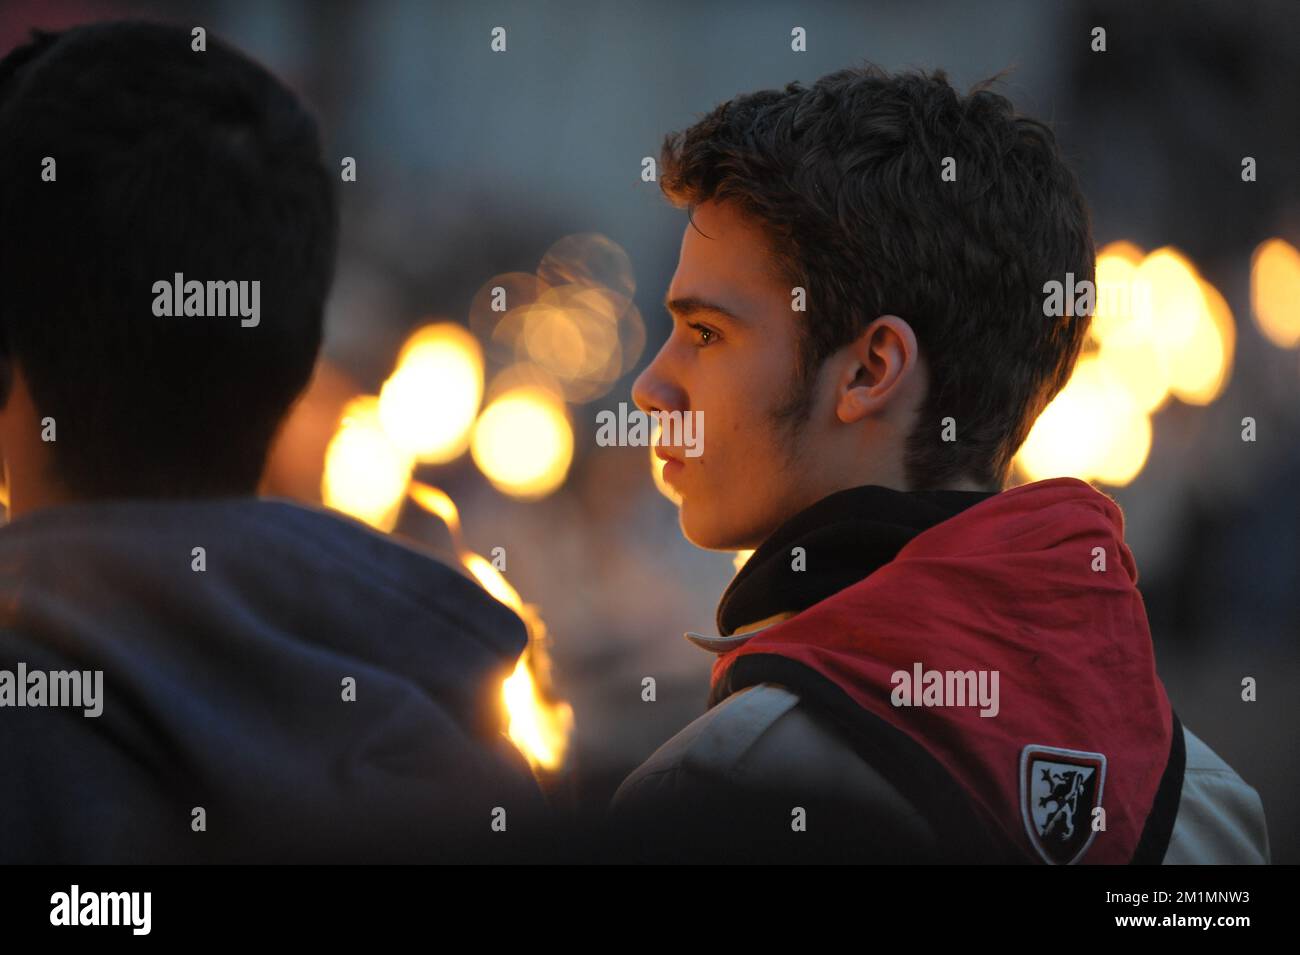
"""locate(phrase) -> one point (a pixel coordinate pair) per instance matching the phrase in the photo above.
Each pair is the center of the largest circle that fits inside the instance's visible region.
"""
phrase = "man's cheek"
(693, 434)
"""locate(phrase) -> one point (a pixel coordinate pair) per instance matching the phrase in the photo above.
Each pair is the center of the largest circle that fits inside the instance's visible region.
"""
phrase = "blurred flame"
(554, 339)
(539, 727)
(539, 724)
(1092, 430)
(368, 477)
(1200, 365)
(499, 297)
(365, 473)
(572, 329)
(591, 259)
(1172, 308)
(427, 406)
(438, 503)
(523, 442)
(1125, 250)
(1116, 273)
(574, 332)
(1275, 292)
(1159, 331)
(1123, 329)
(575, 318)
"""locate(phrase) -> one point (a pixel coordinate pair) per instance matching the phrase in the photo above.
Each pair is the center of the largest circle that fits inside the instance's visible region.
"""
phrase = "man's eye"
(707, 335)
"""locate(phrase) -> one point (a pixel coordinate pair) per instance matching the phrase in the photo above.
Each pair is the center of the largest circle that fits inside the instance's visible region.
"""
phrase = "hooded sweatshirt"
(1037, 586)
(301, 689)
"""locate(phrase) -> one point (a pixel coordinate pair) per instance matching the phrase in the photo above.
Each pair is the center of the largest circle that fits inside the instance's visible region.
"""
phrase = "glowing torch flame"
(539, 724)
(1159, 331)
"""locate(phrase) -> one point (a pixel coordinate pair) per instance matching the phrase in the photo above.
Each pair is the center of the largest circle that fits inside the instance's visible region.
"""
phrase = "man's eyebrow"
(685, 307)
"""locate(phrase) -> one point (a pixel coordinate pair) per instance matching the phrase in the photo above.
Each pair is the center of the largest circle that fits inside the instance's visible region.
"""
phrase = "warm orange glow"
(1275, 292)
(437, 502)
(539, 727)
(538, 724)
(365, 473)
(1092, 430)
(1174, 304)
(497, 301)
(428, 405)
(1136, 362)
(1199, 367)
(1115, 294)
(1124, 328)
(553, 338)
(1122, 249)
(523, 443)
(492, 580)
(1226, 329)
(1159, 331)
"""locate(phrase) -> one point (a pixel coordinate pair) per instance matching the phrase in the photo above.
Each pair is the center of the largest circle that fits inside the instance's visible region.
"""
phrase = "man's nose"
(655, 389)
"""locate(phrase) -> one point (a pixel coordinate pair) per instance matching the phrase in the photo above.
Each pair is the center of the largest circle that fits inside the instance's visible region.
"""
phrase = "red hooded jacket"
(1037, 584)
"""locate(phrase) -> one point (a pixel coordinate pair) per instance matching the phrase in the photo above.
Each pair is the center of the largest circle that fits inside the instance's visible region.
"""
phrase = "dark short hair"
(844, 178)
(168, 160)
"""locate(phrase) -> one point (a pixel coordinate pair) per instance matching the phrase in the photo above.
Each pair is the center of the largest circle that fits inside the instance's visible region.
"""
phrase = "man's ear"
(879, 367)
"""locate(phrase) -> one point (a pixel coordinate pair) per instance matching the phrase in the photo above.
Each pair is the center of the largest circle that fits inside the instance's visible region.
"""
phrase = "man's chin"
(706, 528)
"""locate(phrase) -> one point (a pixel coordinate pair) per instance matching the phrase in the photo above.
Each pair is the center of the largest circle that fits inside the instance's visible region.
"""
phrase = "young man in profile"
(914, 665)
(188, 672)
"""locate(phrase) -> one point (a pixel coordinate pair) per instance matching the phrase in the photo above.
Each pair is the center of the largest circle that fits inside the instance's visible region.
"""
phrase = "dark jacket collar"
(845, 537)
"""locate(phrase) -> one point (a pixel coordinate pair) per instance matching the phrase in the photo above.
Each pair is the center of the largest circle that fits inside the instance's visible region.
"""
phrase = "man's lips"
(672, 464)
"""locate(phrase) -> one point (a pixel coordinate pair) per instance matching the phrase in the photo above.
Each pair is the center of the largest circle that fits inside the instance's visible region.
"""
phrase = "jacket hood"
(853, 532)
(224, 686)
(1036, 585)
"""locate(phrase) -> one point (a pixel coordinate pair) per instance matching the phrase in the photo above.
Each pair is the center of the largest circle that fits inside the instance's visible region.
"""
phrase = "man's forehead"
(723, 228)
(725, 256)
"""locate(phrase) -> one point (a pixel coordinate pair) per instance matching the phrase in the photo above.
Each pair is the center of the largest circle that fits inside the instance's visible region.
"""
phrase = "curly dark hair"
(845, 179)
